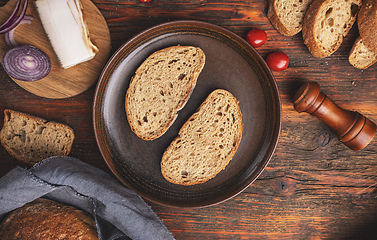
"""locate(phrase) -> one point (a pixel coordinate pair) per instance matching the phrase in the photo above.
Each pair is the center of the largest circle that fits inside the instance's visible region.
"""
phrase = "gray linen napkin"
(119, 212)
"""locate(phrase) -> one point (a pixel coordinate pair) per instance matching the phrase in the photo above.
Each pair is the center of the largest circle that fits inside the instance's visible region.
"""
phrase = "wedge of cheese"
(64, 24)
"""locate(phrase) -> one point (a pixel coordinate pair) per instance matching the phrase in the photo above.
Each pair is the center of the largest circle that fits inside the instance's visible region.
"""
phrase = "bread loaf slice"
(206, 142)
(31, 139)
(287, 16)
(367, 23)
(326, 23)
(361, 56)
(47, 219)
(160, 88)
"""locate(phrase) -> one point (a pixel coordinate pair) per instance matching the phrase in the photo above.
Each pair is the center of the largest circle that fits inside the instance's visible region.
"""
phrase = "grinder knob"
(351, 128)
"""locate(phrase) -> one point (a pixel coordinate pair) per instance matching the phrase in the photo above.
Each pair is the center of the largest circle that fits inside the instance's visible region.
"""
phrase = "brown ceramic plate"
(231, 64)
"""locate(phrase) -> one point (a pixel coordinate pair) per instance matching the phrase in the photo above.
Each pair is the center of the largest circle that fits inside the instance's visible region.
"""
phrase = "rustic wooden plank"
(314, 186)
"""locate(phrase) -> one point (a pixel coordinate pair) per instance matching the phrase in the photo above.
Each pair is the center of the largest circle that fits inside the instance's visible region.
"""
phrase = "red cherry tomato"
(144, 1)
(277, 61)
(256, 37)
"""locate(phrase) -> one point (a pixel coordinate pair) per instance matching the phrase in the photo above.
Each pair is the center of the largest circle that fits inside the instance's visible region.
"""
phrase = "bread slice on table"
(31, 139)
(367, 23)
(326, 23)
(160, 88)
(206, 142)
(361, 56)
(287, 16)
(47, 219)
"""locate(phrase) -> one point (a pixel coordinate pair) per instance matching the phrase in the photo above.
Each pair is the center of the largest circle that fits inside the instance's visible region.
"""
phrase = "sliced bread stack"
(160, 88)
(206, 142)
(324, 24)
(364, 50)
(31, 139)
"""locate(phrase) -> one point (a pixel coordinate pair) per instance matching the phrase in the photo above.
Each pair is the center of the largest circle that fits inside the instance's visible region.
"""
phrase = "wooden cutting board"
(61, 83)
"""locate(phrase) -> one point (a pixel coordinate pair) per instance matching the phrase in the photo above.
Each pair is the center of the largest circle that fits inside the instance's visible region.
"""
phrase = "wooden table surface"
(314, 186)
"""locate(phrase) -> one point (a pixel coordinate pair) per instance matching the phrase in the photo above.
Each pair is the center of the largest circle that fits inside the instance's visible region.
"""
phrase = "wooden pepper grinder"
(351, 128)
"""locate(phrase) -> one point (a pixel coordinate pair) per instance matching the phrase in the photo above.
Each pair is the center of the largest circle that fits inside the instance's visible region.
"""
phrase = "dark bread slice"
(367, 23)
(206, 142)
(47, 219)
(326, 23)
(160, 88)
(287, 16)
(31, 139)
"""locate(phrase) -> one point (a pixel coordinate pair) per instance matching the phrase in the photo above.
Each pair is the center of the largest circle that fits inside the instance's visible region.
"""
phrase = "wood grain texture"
(314, 187)
(61, 83)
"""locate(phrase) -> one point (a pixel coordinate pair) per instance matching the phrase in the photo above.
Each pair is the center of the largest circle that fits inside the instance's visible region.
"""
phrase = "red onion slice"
(12, 17)
(9, 36)
(26, 63)
(13, 20)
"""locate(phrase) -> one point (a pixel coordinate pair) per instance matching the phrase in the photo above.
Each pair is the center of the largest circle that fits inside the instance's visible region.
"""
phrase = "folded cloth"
(119, 212)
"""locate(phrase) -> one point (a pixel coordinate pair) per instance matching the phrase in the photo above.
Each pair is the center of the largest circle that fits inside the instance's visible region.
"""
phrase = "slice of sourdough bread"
(160, 88)
(31, 139)
(367, 23)
(326, 23)
(361, 56)
(206, 142)
(287, 16)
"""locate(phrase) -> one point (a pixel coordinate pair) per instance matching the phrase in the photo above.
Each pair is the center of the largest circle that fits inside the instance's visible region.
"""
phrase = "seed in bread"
(47, 219)
(361, 56)
(206, 142)
(287, 16)
(31, 139)
(367, 23)
(160, 88)
(326, 23)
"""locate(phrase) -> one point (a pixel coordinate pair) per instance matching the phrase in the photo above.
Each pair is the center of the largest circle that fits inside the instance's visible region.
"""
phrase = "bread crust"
(367, 23)
(237, 140)
(174, 113)
(313, 20)
(30, 157)
(47, 219)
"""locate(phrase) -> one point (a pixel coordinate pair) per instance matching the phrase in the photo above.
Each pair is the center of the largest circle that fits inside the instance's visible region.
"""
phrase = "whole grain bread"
(31, 139)
(361, 56)
(47, 219)
(206, 142)
(287, 16)
(367, 23)
(326, 23)
(160, 88)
